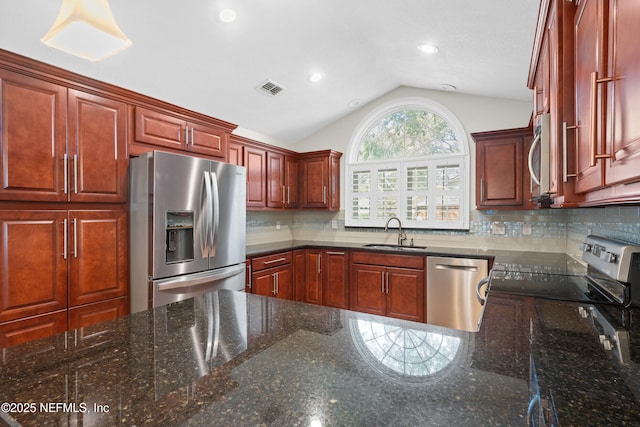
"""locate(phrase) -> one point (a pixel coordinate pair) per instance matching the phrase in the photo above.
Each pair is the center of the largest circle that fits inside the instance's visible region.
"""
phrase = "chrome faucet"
(401, 236)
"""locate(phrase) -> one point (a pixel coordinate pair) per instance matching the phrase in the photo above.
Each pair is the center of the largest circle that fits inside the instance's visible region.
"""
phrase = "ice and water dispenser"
(179, 236)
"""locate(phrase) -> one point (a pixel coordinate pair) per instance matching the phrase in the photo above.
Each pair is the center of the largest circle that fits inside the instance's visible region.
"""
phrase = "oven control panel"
(613, 258)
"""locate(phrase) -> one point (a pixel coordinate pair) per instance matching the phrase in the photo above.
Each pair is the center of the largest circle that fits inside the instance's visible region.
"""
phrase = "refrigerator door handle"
(205, 209)
(176, 283)
(215, 207)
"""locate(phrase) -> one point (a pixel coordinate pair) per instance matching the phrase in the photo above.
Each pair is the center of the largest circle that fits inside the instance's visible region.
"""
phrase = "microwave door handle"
(215, 207)
(536, 140)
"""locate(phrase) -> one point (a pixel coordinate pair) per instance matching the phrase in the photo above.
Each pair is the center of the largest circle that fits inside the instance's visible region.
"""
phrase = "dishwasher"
(452, 292)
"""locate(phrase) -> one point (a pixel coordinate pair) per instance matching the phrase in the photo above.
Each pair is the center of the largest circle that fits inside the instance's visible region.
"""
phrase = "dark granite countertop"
(230, 358)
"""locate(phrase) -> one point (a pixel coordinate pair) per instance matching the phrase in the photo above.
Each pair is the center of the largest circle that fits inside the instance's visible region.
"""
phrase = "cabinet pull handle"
(382, 280)
(186, 135)
(274, 260)
(274, 283)
(192, 139)
(75, 238)
(593, 158)
(565, 152)
(334, 253)
(482, 189)
(387, 282)
(283, 193)
(65, 165)
(324, 194)
(64, 238)
(75, 173)
(288, 194)
(319, 263)
(249, 278)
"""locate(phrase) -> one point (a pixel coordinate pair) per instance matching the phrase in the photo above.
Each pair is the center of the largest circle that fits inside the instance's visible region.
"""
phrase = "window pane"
(448, 209)
(408, 133)
(417, 208)
(418, 178)
(361, 208)
(360, 182)
(448, 177)
(388, 180)
(387, 207)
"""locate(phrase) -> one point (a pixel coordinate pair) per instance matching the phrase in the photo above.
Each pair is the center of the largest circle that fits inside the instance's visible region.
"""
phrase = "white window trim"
(432, 162)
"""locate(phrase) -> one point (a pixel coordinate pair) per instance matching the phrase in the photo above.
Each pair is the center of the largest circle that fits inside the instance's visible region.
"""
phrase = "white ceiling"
(183, 54)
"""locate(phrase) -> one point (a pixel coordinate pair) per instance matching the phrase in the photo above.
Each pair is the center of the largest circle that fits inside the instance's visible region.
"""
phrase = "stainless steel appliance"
(451, 292)
(187, 228)
(538, 160)
(612, 276)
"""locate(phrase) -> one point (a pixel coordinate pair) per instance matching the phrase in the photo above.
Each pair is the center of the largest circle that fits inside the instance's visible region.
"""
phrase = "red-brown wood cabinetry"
(272, 275)
(320, 180)
(166, 130)
(501, 171)
(388, 285)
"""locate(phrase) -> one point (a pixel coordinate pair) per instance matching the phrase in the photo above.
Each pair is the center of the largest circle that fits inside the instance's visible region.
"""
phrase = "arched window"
(409, 159)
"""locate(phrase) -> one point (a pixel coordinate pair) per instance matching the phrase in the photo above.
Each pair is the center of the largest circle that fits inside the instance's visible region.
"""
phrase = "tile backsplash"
(548, 230)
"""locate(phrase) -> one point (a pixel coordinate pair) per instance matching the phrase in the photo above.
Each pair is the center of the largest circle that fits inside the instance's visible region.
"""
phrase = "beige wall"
(476, 114)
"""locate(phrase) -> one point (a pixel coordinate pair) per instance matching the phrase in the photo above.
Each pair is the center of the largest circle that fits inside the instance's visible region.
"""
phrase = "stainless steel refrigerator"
(187, 228)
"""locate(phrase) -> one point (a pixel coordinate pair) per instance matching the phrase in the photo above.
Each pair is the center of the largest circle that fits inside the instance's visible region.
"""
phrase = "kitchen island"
(230, 358)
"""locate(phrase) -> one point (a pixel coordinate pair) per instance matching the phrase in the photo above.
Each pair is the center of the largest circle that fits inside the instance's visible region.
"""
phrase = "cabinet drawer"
(388, 260)
(33, 328)
(268, 261)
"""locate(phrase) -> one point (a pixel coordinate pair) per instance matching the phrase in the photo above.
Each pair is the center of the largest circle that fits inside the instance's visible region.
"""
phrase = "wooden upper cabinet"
(165, 130)
(275, 180)
(255, 160)
(607, 94)
(320, 180)
(39, 164)
(33, 137)
(501, 172)
(623, 93)
(235, 155)
(291, 178)
(97, 148)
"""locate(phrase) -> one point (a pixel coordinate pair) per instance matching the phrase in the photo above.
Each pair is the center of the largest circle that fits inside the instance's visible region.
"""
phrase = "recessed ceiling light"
(227, 15)
(428, 48)
(314, 77)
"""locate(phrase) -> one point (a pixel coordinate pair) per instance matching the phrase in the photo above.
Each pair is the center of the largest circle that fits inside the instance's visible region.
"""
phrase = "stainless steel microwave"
(539, 159)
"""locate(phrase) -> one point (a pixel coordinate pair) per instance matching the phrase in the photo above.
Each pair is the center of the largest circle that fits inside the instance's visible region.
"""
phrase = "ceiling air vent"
(271, 87)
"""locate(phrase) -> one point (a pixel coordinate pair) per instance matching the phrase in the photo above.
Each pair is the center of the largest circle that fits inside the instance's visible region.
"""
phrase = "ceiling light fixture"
(428, 48)
(86, 28)
(227, 15)
(314, 77)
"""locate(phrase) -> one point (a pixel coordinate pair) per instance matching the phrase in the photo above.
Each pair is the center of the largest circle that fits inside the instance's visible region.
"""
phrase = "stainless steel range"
(612, 276)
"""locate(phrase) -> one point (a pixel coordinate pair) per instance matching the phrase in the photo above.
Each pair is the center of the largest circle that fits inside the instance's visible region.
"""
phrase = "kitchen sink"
(394, 247)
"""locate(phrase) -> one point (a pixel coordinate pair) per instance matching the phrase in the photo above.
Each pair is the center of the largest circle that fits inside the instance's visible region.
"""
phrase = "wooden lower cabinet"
(313, 288)
(32, 328)
(59, 259)
(274, 282)
(381, 285)
(336, 279)
(90, 314)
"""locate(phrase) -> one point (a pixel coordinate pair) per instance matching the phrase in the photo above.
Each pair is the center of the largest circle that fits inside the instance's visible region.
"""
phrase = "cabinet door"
(589, 44)
(284, 284)
(275, 180)
(235, 154)
(33, 328)
(97, 148)
(291, 181)
(207, 140)
(263, 283)
(34, 264)
(406, 298)
(313, 291)
(367, 289)
(32, 138)
(159, 129)
(299, 274)
(315, 181)
(500, 171)
(98, 254)
(623, 92)
(255, 162)
(336, 279)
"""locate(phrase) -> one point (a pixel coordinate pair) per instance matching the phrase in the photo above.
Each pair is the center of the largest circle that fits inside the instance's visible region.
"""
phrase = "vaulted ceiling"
(182, 53)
